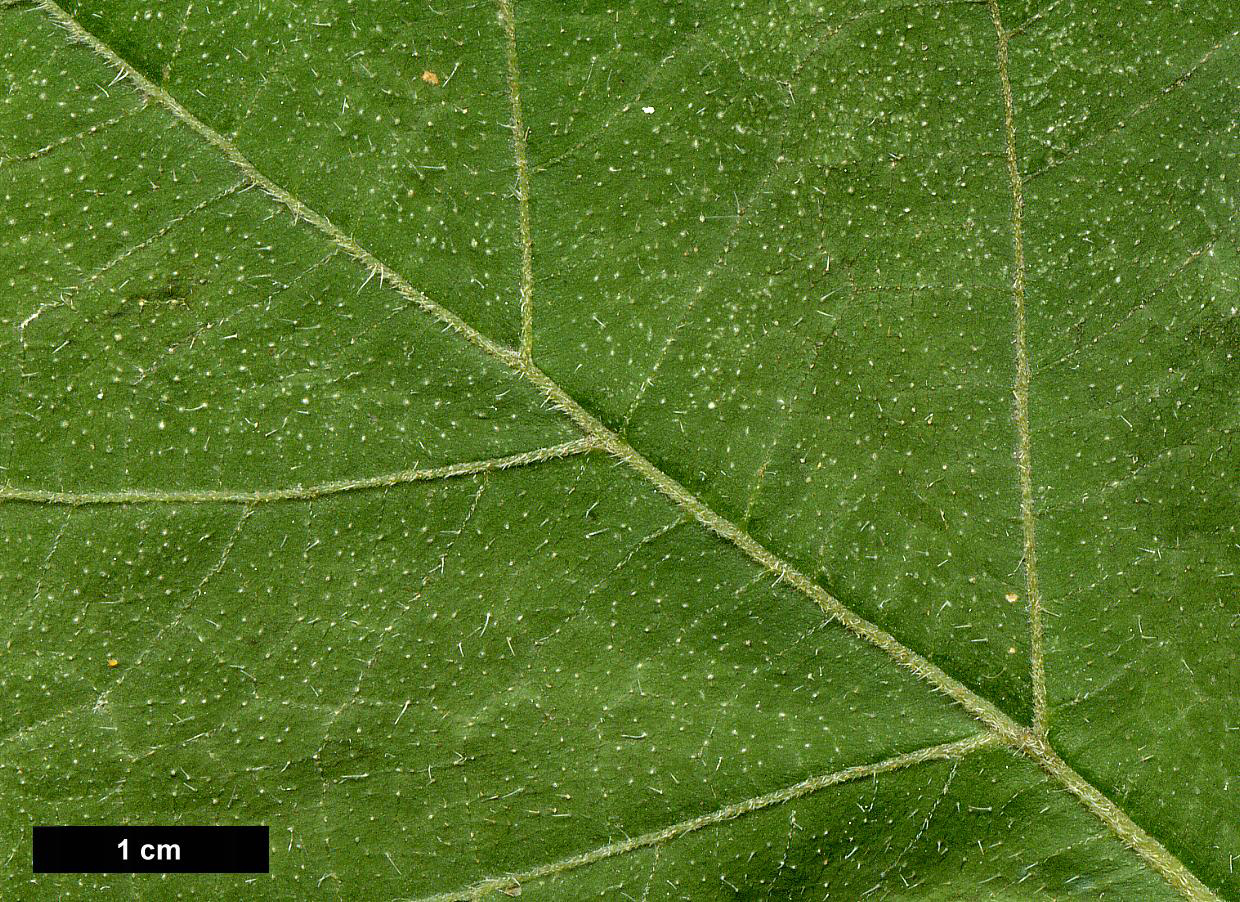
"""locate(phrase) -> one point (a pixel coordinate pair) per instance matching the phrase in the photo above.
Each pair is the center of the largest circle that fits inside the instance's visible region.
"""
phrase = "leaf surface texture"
(687, 451)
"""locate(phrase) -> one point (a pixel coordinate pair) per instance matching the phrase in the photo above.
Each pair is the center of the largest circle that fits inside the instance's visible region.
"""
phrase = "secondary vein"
(1020, 389)
(523, 182)
(946, 751)
(298, 493)
(604, 439)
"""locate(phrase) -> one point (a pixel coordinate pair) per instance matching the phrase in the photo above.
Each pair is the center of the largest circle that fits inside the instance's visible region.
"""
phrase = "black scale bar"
(151, 850)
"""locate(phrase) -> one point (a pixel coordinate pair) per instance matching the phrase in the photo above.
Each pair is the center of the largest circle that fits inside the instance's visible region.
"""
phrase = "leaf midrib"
(1021, 738)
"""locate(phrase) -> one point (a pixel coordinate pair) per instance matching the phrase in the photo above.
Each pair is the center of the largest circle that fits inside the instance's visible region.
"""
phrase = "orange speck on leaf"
(112, 662)
(430, 77)
(1012, 596)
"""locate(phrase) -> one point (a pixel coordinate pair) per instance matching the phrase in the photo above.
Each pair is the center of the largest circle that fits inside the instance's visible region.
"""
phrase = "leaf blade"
(610, 440)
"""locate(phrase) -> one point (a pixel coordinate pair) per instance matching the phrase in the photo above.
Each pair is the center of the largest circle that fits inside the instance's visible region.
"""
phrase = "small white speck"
(647, 110)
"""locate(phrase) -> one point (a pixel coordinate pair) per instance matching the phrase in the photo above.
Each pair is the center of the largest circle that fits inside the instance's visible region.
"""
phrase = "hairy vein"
(523, 181)
(1114, 327)
(656, 838)
(832, 607)
(1150, 849)
(176, 48)
(604, 439)
(772, 442)
(1037, 745)
(231, 152)
(299, 492)
(1020, 389)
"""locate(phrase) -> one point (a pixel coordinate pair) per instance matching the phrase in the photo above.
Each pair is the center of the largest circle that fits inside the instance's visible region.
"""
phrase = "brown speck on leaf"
(112, 662)
(1012, 596)
(430, 77)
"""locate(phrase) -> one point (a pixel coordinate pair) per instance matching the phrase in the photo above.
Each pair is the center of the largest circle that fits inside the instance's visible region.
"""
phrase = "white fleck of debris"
(647, 110)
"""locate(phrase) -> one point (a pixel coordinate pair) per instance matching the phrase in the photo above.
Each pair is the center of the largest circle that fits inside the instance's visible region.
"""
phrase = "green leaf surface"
(648, 451)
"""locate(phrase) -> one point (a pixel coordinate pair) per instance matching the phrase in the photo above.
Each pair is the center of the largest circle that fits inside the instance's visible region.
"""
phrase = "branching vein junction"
(597, 436)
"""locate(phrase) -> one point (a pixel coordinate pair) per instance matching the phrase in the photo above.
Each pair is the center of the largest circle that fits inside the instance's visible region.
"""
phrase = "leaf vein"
(1123, 121)
(657, 838)
(68, 139)
(68, 294)
(1020, 389)
(297, 493)
(603, 438)
(523, 181)
(299, 209)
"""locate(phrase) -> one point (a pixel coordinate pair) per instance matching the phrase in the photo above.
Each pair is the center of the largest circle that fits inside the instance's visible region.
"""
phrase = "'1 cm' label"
(144, 850)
